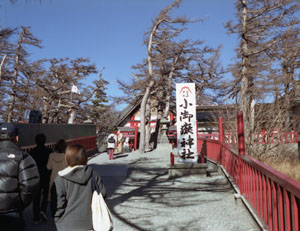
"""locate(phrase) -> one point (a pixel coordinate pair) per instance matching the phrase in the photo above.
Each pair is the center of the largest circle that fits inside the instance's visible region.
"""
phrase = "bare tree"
(164, 19)
(259, 26)
(19, 66)
(56, 84)
(170, 61)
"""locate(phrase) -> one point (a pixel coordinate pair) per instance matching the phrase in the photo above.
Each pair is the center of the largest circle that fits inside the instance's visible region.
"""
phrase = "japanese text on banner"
(186, 122)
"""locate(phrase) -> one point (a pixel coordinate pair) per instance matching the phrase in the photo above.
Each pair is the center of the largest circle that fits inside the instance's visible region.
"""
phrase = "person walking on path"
(19, 176)
(120, 142)
(56, 163)
(127, 147)
(41, 155)
(111, 145)
(73, 187)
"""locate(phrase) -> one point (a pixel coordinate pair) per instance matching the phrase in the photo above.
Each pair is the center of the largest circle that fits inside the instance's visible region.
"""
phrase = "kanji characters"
(186, 121)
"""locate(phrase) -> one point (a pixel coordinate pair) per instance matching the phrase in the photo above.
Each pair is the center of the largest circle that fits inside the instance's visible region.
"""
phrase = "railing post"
(172, 158)
(241, 146)
(117, 134)
(221, 130)
(204, 151)
(197, 129)
(241, 137)
(135, 137)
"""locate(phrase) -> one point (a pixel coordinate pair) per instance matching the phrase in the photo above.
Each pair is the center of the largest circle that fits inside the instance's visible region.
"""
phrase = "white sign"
(74, 89)
(186, 122)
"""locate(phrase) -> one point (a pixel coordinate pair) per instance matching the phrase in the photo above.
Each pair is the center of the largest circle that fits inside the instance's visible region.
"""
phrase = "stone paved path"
(141, 197)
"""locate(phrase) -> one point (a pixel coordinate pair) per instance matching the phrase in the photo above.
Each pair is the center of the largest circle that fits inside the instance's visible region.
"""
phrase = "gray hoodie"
(74, 194)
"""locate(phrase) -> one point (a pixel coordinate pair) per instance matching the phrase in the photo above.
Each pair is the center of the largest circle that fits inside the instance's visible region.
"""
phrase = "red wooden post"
(281, 211)
(261, 191)
(295, 213)
(255, 193)
(117, 134)
(171, 158)
(221, 130)
(265, 200)
(204, 152)
(135, 137)
(270, 216)
(241, 146)
(275, 208)
(241, 137)
(287, 209)
(197, 129)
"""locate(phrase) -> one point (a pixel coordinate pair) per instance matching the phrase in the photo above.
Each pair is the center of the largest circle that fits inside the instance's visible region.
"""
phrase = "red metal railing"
(276, 137)
(89, 143)
(274, 196)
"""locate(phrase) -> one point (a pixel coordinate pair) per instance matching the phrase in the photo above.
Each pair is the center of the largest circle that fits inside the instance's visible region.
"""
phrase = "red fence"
(276, 137)
(89, 143)
(274, 196)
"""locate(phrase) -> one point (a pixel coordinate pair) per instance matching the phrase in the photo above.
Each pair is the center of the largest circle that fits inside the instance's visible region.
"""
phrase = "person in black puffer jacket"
(19, 177)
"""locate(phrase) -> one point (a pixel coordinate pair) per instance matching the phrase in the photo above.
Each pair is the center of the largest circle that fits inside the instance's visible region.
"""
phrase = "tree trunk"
(143, 119)
(169, 89)
(148, 125)
(148, 89)
(45, 113)
(245, 102)
(1, 67)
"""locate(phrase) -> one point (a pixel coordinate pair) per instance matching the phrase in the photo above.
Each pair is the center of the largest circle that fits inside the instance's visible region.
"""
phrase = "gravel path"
(141, 197)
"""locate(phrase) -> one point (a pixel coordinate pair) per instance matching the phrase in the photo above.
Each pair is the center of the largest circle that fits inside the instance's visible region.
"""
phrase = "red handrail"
(274, 196)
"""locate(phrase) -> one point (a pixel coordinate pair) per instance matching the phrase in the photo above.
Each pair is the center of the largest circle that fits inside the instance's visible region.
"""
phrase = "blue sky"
(111, 32)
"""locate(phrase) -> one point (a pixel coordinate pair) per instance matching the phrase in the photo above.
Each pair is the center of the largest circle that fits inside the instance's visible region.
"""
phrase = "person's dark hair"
(40, 139)
(60, 146)
(75, 155)
(8, 131)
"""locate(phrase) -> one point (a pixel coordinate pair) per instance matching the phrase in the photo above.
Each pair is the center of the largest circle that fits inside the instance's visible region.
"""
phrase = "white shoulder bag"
(102, 219)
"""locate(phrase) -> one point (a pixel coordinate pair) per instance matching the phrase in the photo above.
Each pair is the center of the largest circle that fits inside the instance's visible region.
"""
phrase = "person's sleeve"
(101, 185)
(28, 179)
(49, 163)
(61, 201)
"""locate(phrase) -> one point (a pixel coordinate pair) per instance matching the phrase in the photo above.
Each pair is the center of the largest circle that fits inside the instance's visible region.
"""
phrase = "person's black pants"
(40, 201)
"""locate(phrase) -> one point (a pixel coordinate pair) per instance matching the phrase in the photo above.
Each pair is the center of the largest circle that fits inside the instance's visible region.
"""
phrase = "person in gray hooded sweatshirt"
(73, 187)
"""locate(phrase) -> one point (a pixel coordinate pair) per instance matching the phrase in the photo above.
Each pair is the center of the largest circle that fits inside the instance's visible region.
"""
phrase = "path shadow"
(156, 188)
(113, 175)
(122, 155)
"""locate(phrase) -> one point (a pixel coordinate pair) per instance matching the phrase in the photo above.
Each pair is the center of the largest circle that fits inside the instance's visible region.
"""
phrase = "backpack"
(111, 140)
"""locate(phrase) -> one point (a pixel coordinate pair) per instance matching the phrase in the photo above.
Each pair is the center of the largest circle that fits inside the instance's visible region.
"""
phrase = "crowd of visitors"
(59, 177)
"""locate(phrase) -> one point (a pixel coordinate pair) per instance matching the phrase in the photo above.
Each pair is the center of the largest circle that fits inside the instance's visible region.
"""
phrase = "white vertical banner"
(186, 122)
